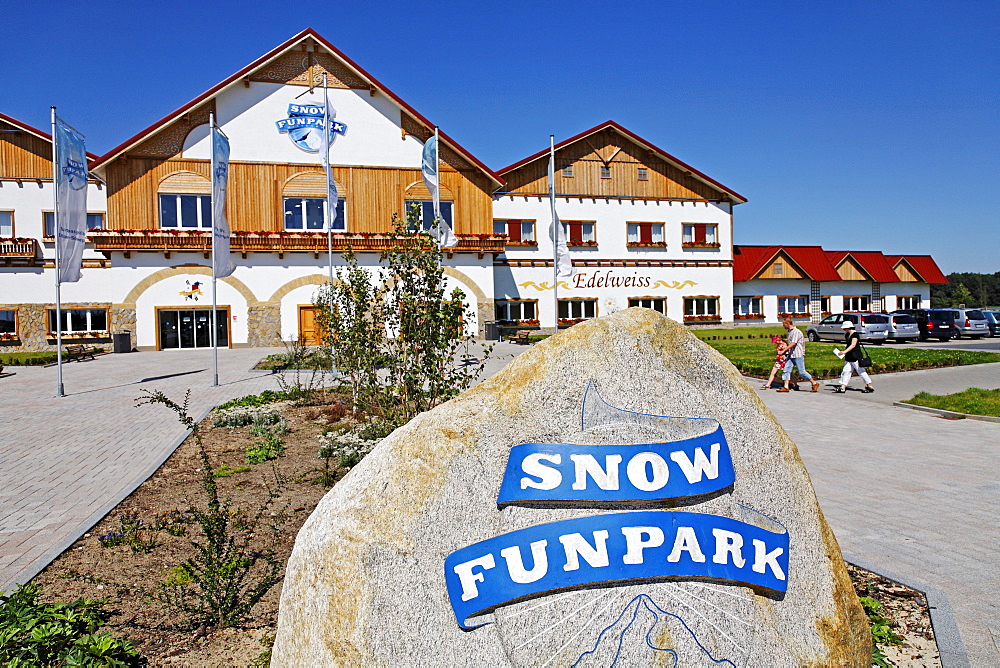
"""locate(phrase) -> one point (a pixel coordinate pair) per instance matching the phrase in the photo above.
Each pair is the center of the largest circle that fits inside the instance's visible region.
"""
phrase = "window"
(309, 213)
(857, 302)
(577, 309)
(427, 212)
(75, 320)
(189, 211)
(567, 170)
(658, 304)
(701, 308)
(6, 223)
(579, 232)
(8, 321)
(778, 268)
(793, 304)
(645, 234)
(605, 172)
(517, 231)
(517, 309)
(701, 235)
(643, 174)
(907, 301)
(95, 221)
(747, 307)
(824, 305)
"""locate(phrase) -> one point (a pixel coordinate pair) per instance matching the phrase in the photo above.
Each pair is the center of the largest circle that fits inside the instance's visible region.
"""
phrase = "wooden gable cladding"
(788, 268)
(255, 192)
(623, 156)
(850, 270)
(185, 183)
(418, 190)
(169, 141)
(906, 273)
(311, 184)
(306, 68)
(24, 155)
(445, 153)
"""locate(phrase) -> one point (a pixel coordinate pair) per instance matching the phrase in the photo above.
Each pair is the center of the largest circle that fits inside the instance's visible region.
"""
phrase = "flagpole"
(328, 174)
(215, 324)
(555, 231)
(55, 233)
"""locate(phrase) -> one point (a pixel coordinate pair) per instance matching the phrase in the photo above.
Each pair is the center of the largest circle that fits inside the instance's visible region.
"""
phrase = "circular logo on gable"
(304, 126)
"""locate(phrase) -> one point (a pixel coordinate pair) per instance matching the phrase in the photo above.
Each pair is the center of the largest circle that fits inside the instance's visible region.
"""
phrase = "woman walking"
(852, 355)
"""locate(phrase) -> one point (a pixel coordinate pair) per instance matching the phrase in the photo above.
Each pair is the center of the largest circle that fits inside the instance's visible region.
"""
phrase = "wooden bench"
(521, 337)
(79, 352)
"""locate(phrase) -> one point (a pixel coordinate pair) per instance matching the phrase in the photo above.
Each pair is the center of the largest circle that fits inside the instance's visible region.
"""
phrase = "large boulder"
(367, 582)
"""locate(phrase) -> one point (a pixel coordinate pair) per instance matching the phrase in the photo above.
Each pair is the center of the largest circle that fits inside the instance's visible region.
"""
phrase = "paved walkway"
(903, 490)
(65, 462)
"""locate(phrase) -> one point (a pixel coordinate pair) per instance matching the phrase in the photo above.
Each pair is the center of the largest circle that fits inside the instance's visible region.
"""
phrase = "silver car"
(903, 327)
(873, 327)
(971, 322)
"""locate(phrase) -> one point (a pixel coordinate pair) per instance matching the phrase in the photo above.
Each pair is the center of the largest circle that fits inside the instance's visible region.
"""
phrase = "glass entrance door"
(192, 328)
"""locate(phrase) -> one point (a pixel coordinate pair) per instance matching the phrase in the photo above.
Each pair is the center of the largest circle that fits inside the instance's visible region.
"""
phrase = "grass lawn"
(751, 351)
(973, 401)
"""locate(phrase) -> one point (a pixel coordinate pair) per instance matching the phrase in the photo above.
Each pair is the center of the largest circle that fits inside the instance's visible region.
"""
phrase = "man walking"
(796, 356)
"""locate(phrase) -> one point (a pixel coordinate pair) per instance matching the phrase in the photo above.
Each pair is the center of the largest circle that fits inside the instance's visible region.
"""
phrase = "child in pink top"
(779, 361)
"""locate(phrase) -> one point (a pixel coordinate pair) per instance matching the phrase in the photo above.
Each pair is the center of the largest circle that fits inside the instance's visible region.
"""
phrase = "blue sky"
(852, 125)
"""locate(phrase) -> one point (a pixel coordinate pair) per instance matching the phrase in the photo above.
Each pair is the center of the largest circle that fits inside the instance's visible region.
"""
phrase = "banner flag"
(71, 201)
(222, 263)
(620, 548)
(561, 257)
(441, 230)
(332, 196)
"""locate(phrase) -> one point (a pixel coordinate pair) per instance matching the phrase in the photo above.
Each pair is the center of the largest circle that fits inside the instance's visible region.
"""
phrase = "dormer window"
(778, 267)
(605, 172)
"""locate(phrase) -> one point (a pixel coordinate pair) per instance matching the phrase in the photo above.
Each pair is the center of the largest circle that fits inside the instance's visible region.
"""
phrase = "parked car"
(971, 322)
(903, 327)
(934, 323)
(994, 319)
(873, 327)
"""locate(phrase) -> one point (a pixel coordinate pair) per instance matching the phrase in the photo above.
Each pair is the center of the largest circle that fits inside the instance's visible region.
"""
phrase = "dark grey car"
(873, 327)
(903, 327)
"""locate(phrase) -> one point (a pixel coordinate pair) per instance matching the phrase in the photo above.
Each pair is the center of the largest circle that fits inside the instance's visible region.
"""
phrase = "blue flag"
(222, 263)
(71, 201)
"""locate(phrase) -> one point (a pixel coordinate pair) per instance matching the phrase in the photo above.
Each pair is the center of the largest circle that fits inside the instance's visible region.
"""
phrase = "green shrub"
(29, 359)
(262, 399)
(882, 633)
(51, 634)
(266, 450)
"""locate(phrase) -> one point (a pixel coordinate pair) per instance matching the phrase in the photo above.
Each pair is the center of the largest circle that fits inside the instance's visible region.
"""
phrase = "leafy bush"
(50, 634)
(882, 633)
(241, 416)
(29, 359)
(131, 534)
(262, 399)
(266, 450)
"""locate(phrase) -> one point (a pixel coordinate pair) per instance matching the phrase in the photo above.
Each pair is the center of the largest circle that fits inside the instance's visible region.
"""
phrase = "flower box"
(700, 244)
(571, 321)
(800, 314)
(748, 316)
(521, 243)
(647, 244)
(583, 244)
(702, 318)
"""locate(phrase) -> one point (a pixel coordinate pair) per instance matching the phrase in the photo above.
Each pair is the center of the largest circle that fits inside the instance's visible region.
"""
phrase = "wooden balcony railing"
(20, 251)
(166, 241)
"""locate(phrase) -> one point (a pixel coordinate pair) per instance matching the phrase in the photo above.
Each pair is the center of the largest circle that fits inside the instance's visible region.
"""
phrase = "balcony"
(19, 251)
(169, 241)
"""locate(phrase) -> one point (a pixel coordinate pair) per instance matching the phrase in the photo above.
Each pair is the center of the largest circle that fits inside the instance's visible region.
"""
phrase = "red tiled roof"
(924, 265)
(749, 261)
(308, 32)
(35, 131)
(636, 138)
(873, 263)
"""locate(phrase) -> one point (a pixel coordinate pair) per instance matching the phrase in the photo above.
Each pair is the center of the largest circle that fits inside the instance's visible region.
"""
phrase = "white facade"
(612, 272)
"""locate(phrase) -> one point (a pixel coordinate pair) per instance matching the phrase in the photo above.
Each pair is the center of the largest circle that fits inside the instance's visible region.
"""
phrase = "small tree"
(961, 295)
(395, 333)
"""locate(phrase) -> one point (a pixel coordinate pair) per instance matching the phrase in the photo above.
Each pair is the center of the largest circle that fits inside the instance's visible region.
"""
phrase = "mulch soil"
(130, 579)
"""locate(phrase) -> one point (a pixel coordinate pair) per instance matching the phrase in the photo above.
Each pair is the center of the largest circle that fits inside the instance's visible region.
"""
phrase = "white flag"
(222, 262)
(71, 201)
(332, 196)
(441, 230)
(560, 252)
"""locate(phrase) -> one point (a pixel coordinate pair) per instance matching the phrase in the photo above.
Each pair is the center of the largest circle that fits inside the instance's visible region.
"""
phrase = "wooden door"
(309, 330)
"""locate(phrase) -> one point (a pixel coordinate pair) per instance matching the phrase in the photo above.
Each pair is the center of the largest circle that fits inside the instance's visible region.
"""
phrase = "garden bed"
(131, 578)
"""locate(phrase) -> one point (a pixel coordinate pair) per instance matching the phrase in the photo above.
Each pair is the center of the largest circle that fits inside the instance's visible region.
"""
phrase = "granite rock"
(365, 583)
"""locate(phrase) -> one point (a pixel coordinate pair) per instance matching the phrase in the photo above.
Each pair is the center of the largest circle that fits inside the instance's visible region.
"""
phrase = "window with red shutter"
(514, 230)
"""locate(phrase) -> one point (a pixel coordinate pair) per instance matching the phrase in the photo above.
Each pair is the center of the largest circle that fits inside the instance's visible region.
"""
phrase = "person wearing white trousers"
(852, 355)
